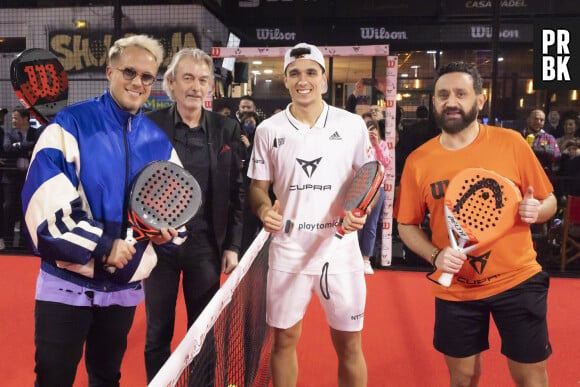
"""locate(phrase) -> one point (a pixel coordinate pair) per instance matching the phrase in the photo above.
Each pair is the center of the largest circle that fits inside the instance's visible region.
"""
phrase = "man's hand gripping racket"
(480, 206)
(163, 196)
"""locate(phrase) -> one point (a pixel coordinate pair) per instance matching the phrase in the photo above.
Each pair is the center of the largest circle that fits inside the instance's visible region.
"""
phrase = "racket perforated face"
(364, 186)
(361, 191)
(482, 203)
(163, 195)
(39, 82)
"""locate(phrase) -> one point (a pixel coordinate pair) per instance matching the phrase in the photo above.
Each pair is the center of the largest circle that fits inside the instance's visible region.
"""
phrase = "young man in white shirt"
(309, 152)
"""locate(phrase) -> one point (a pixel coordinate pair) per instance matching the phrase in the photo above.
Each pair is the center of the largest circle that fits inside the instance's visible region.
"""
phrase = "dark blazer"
(226, 184)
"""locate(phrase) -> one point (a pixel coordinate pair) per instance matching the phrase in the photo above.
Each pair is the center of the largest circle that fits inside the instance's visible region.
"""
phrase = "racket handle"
(129, 239)
(445, 279)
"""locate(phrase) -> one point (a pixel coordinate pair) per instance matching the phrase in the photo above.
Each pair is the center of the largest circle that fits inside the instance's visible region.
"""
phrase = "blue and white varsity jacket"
(76, 191)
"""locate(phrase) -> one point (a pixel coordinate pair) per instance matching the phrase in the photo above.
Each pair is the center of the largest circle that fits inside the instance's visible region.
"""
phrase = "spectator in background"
(543, 144)
(570, 124)
(377, 113)
(246, 104)
(553, 124)
(569, 172)
(18, 144)
(368, 235)
(252, 224)
(352, 99)
(367, 116)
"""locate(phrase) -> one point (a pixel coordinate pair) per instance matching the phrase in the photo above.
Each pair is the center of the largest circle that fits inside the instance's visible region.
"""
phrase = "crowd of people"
(244, 162)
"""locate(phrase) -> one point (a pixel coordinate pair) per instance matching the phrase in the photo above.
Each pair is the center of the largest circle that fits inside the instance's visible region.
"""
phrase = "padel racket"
(361, 191)
(359, 195)
(163, 195)
(480, 206)
(40, 83)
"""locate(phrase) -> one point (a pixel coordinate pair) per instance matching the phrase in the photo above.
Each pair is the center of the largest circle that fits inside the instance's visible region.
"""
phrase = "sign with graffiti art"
(158, 99)
(87, 51)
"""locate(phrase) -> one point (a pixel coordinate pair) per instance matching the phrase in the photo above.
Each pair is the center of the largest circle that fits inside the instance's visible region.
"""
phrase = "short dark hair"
(248, 97)
(299, 51)
(462, 67)
(24, 113)
(569, 115)
(246, 115)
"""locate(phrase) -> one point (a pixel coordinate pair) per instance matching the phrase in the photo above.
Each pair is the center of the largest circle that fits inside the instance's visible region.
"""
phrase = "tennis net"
(229, 343)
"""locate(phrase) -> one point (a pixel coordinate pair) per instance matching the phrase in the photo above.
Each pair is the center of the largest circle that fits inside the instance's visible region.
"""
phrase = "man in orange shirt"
(503, 280)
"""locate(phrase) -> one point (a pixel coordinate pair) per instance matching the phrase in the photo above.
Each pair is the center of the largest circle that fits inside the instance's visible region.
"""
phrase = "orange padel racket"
(362, 190)
(40, 83)
(360, 194)
(480, 206)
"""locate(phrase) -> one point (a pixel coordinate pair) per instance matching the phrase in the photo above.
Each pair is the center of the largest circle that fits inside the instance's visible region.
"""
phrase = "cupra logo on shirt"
(309, 166)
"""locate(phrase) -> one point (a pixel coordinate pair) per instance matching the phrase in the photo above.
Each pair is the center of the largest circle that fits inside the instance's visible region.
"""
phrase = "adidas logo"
(335, 136)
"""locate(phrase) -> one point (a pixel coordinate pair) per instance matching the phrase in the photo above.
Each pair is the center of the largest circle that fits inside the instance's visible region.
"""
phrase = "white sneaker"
(2, 244)
(368, 268)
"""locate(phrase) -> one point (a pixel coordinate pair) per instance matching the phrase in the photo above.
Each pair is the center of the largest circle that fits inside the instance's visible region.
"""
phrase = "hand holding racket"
(163, 196)
(480, 206)
(40, 83)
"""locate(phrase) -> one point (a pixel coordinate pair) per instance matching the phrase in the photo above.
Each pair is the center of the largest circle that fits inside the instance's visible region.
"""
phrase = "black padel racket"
(480, 206)
(40, 83)
(361, 191)
(163, 195)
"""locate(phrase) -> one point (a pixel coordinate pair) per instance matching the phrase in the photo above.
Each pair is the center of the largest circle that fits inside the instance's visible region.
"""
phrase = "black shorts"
(462, 328)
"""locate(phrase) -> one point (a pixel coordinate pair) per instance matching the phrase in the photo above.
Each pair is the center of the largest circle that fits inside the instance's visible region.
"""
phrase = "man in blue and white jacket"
(75, 206)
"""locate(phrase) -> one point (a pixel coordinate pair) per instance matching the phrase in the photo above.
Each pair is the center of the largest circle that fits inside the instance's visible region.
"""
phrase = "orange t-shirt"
(509, 260)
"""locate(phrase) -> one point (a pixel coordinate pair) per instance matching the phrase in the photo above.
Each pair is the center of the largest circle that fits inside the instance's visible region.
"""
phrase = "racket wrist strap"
(434, 256)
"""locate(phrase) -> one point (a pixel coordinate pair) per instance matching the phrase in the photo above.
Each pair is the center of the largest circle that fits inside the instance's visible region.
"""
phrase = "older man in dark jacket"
(209, 147)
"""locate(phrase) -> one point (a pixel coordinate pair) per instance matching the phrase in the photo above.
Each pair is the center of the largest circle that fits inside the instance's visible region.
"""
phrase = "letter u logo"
(438, 189)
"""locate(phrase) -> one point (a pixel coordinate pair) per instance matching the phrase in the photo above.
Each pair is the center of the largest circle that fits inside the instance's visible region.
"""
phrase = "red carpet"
(396, 338)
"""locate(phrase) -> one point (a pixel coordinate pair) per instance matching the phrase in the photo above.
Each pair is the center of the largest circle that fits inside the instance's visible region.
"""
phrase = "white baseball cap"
(308, 52)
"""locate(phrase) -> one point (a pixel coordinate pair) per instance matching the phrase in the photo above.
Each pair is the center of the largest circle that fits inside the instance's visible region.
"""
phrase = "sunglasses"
(129, 74)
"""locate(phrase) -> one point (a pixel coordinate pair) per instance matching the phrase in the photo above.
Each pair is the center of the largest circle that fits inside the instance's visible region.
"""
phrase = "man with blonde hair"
(75, 211)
